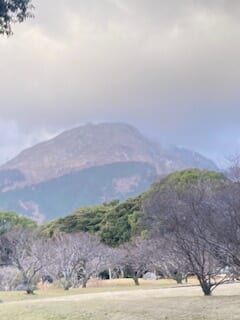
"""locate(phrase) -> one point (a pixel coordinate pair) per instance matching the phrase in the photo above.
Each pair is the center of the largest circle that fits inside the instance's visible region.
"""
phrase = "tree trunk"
(178, 278)
(27, 283)
(67, 286)
(84, 284)
(206, 287)
(122, 274)
(30, 291)
(136, 281)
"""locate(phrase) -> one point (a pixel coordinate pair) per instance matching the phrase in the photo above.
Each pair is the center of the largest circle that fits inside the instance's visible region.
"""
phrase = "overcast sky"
(171, 68)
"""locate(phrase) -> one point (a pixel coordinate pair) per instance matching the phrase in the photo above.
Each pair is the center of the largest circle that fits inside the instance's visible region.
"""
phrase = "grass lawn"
(120, 300)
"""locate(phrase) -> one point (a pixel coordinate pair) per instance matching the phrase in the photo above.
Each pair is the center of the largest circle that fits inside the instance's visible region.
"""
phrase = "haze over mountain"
(168, 67)
(88, 165)
(94, 145)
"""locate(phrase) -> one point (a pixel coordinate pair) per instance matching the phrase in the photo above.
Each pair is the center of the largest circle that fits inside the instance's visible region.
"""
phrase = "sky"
(170, 68)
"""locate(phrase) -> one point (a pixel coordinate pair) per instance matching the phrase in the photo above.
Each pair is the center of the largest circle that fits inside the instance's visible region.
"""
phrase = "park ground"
(120, 300)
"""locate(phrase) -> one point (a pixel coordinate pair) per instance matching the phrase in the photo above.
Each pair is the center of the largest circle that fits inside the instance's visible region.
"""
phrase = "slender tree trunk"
(136, 280)
(122, 274)
(84, 284)
(26, 282)
(67, 286)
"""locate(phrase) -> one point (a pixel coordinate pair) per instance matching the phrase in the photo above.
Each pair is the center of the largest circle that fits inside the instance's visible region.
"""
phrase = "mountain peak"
(93, 145)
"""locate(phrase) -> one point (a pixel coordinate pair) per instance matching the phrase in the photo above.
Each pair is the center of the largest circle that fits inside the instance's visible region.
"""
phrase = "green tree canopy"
(122, 222)
(114, 222)
(12, 11)
(11, 220)
(188, 177)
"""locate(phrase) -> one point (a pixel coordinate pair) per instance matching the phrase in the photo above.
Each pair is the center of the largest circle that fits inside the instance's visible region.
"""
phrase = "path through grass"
(162, 303)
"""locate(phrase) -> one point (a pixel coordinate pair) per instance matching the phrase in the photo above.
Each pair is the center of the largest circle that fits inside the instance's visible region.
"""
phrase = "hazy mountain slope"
(95, 145)
(59, 196)
(182, 158)
(80, 148)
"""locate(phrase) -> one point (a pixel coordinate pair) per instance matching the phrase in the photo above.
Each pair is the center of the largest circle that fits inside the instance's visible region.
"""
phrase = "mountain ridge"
(122, 161)
(90, 145)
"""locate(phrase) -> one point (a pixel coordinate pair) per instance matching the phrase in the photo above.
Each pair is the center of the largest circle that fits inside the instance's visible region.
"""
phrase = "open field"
(118, 301)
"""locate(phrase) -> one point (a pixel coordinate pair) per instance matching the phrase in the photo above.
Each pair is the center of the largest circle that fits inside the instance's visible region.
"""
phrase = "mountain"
(80, 148)
(87, 165)
(59, 196)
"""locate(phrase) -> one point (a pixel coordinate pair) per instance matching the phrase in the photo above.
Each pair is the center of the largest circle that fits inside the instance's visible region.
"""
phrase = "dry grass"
(118, 301)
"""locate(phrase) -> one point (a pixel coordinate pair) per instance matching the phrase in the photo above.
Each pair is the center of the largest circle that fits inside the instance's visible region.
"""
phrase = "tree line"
(188, 223)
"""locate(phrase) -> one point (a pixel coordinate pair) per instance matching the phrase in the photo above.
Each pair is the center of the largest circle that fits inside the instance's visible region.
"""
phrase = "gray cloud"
(169, 67)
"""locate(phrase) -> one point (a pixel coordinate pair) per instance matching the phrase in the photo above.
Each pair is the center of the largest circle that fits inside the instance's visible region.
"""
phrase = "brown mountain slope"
(98, 144)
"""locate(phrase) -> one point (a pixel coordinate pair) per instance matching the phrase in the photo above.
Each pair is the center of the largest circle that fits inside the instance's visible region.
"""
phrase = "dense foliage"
(122, 222)
(13, 11)
(114, 222)
(12, 220)
(182, 179)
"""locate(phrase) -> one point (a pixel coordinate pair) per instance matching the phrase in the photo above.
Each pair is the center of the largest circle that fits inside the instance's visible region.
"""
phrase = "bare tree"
(94, 257)
(233, 170)
(225, 225)
(117, 262)
(62, 260)
(24, 250)
(9, 278)
(182, 216)
(137, 257)
(167, 261)
(75, 258)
